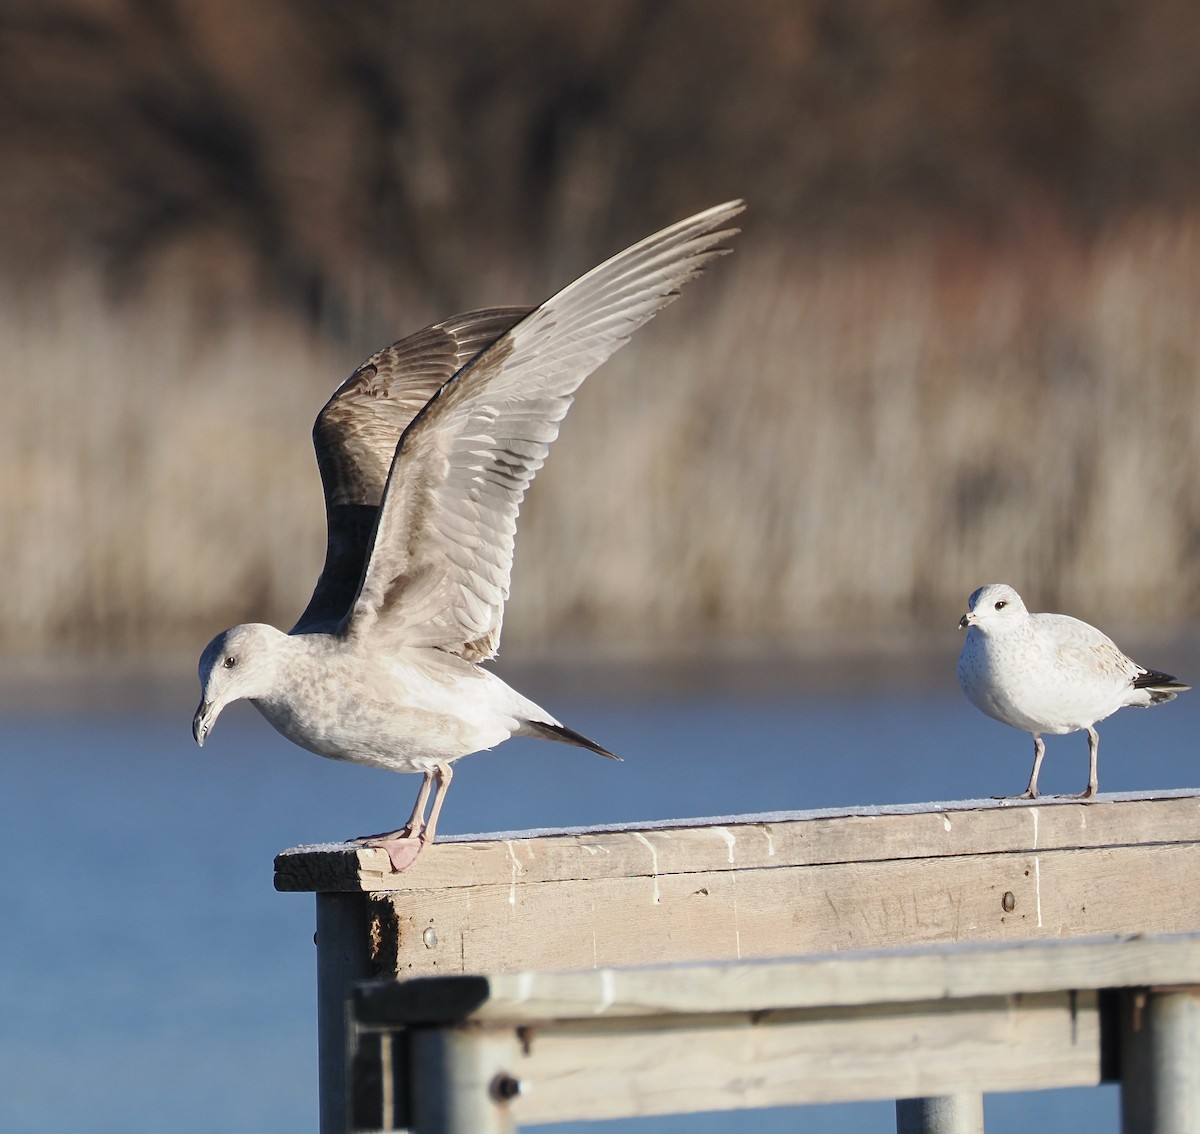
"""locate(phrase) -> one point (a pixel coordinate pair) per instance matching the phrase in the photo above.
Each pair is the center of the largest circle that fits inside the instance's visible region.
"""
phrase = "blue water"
(151, 976)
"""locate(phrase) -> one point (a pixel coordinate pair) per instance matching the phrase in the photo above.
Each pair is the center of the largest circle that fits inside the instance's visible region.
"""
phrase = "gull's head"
(242, 662)
(993, 609)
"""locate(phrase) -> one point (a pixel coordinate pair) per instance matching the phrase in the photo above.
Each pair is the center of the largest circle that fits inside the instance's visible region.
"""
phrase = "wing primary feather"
(547, 730)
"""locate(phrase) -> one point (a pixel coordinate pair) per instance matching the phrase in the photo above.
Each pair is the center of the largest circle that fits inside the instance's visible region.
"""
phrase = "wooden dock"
(931, 885)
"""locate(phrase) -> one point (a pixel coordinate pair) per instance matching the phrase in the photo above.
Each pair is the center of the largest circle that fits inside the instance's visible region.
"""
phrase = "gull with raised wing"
(1049, 673)
(425, 453)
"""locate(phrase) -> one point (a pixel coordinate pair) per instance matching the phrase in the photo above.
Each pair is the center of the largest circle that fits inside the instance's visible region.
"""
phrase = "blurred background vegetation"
(957, 343)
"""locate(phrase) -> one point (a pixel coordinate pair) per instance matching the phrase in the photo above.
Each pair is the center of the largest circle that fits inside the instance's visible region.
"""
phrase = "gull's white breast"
(1046, 678)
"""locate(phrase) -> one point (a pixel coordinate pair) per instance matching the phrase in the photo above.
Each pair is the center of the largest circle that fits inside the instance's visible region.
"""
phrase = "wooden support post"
(343, 957)
(941, 1114)
(770, 886)
(462, 1081)
(1160, 1061)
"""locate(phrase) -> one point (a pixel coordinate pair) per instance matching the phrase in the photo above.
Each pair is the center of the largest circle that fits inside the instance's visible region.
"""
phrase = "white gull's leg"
(1093, 757)
(1039, 751)
(1031, 792)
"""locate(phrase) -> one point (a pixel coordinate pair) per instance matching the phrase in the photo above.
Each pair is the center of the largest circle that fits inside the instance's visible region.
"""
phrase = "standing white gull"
(425, 454)
(1049, 673)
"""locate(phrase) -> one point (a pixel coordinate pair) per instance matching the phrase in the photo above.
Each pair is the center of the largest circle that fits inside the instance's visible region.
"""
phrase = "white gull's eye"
(229, 662)
(999, 606)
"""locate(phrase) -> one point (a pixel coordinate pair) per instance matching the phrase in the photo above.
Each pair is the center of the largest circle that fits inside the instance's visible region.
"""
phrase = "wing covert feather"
(441, 558)
(355, 437)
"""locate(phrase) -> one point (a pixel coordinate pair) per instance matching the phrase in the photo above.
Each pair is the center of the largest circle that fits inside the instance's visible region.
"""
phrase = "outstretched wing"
(441, 556)
(355, 438)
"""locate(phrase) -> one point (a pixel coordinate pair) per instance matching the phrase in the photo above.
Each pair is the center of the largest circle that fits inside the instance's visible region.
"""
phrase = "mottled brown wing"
(355, 438)
(439, 566)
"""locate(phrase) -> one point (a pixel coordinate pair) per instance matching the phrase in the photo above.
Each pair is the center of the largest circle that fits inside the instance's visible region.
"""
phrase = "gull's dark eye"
(999, 606)
(229, 662)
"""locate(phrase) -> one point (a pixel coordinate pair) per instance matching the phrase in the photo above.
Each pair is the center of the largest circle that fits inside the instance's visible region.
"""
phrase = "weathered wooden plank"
(782, 911)
(738, 843)
(786, 885)
(625, 1068)
(833, 980)
(952, 1020)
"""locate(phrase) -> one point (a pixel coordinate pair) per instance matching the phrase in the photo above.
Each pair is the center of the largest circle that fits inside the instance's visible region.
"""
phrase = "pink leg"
(443, 774)
(404, 845)
(416, 821)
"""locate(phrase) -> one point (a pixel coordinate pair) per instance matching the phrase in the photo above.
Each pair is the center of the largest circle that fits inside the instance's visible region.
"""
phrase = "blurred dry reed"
(806, 442)
(957, 342)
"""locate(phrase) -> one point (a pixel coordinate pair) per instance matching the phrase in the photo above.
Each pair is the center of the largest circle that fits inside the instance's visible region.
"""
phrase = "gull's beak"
(965, 621)
(205, 718)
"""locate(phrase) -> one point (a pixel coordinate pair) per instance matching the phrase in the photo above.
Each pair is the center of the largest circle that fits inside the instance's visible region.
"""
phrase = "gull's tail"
(552, 730)
(1161, 687)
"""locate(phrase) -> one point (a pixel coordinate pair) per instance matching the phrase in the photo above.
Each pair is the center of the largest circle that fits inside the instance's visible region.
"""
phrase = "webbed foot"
(402, 846)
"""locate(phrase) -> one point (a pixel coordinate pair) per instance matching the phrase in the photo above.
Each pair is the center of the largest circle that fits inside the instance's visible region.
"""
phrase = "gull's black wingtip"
(545, 730)
(1156, 679)
(1160, 687)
